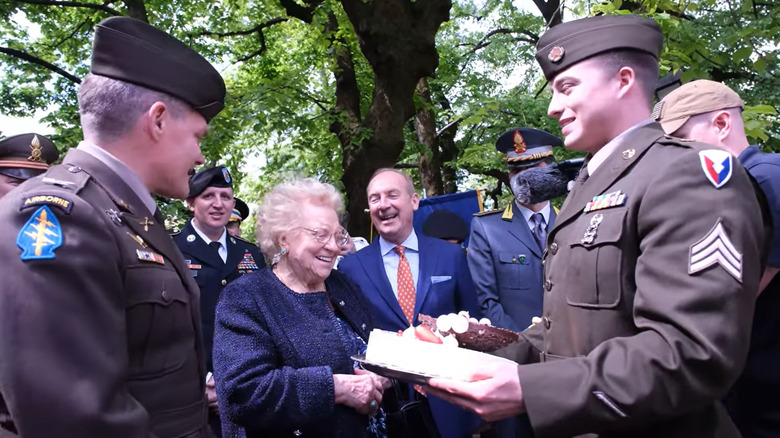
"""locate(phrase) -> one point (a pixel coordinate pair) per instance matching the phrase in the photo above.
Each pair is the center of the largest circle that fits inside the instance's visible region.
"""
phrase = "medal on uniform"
(150, 256)
(247, 263)
(607, 200)
(590, 232)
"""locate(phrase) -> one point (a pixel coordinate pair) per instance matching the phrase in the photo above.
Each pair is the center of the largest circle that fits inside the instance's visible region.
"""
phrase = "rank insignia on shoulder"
(150, 256)
(486, 212)
(66, 205)
(40, 236)
(508, 213)
(607, 200)
(716, 165)
(715, 248)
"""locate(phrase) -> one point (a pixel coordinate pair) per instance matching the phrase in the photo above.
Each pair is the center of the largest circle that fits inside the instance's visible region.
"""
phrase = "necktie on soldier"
(216, 246)
(540, 230)
(407, 296)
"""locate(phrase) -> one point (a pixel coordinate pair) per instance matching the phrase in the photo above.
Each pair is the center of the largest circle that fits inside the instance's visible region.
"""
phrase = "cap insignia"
(35, 150)
(226, 175)
(520, 146)
(556, 54)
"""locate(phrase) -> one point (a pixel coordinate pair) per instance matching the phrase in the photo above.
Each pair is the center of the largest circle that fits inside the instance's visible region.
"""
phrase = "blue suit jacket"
(506, 265)
(438, 260)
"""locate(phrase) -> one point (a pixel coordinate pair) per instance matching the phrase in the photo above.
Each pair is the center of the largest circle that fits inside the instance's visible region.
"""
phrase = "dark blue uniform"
(506, 265)
(753, 403)
(212, 274)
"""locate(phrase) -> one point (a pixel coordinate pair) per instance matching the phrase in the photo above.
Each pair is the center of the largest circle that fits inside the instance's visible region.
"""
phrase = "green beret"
(24, 156)
(211, 177)
(569, 43)
(132, 51)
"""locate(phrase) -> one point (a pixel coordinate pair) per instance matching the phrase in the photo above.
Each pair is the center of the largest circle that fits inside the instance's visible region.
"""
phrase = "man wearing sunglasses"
(214, 257)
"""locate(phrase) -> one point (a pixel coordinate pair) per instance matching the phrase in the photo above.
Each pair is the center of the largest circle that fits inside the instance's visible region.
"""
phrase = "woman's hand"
(384, 382)
(362, 392)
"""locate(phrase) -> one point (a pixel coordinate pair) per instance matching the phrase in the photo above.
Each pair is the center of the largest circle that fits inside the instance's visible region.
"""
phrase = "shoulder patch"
(64, 204)
(486, 212)
(40, 236)
(716, 165)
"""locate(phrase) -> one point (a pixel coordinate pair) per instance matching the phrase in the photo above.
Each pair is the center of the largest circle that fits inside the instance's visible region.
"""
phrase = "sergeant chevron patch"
(715, 248)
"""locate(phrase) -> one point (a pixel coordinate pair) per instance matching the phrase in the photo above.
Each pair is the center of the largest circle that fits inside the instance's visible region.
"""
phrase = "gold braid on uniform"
(530, 157)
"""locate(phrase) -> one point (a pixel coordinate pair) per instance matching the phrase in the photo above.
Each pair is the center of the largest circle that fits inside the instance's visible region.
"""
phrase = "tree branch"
(95, 6)
(38, 61)
(532, 37)
(257, 28)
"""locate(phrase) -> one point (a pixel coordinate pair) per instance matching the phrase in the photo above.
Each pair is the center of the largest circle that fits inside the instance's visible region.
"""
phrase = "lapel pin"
(146, 222)
(114, 216)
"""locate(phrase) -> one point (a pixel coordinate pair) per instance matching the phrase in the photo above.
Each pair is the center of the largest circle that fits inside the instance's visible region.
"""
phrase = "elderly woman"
(284, 335)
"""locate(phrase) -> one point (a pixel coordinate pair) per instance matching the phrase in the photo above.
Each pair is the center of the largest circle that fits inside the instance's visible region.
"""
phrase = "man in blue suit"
(403, 274)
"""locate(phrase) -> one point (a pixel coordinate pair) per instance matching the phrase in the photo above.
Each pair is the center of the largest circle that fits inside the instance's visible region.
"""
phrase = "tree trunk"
(136, 9)
(430, 161)
(397, 37)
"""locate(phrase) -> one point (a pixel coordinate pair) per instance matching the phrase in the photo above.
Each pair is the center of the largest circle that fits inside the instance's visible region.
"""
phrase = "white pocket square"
(439, 278)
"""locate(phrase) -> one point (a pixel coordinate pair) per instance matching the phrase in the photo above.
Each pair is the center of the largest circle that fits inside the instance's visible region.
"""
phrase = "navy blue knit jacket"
(275, 353)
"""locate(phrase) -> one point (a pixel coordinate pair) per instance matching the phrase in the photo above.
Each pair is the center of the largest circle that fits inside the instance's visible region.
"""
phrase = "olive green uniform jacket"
(631, 344)
(102, 339)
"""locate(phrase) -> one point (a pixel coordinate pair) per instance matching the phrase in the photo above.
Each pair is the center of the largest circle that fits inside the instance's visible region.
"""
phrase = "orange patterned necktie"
(406, 294)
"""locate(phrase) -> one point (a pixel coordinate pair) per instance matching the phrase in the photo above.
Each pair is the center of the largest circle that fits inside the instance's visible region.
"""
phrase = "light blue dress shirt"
(390, 259)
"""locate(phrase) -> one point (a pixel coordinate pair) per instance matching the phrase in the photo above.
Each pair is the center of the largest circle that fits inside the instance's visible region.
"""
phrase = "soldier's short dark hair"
(109, 108)
(645, 67)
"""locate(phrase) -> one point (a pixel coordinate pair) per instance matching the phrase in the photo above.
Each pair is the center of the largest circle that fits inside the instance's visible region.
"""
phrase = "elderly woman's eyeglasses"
(341, 236)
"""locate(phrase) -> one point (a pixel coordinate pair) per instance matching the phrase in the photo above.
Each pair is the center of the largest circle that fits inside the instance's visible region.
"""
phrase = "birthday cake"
(425, 352)
(469, 332)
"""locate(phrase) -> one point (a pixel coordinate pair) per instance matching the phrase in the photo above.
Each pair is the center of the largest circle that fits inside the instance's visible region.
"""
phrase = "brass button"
(224, 282)
(547, 323)
(548, 285)
(554, 248)
(544, 262)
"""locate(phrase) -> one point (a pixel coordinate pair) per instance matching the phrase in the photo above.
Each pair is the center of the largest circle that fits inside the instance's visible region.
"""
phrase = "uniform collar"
(602, 154)
(222, 239)
(527, 212)
(125, 173)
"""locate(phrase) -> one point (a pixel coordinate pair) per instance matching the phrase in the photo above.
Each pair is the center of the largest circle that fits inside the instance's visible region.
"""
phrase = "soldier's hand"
(494, 392)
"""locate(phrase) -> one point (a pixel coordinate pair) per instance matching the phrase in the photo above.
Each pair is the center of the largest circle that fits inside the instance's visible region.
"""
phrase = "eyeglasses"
(341, 236)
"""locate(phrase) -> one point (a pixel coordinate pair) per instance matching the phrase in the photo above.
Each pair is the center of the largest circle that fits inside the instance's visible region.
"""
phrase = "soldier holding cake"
(651, 270)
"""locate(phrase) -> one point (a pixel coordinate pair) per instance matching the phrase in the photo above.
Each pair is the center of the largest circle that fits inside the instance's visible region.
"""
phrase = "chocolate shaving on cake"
(479, 337)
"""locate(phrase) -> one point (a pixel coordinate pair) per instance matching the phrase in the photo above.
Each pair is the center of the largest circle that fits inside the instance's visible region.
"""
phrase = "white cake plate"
(391, 372)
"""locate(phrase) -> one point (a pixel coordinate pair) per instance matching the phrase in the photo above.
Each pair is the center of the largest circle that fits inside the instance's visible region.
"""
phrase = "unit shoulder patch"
(40, 235)
(715, 248)
(716, 165)
(64, 204)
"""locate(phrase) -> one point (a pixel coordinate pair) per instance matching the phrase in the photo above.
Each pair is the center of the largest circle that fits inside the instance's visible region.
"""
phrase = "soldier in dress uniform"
(213, 256)
(22, 157)
(99, 316)
(506, 246)
(239, 214)
(651, 270)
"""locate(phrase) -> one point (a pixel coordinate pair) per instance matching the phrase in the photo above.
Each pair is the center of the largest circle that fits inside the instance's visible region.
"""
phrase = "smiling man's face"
(392, 203)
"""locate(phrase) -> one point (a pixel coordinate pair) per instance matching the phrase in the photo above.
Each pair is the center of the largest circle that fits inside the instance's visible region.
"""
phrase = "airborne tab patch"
(66, 205)
(716, 165)
(40, 236)
(715, 248)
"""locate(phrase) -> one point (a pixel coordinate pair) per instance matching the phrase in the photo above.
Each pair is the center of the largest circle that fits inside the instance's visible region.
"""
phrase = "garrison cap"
(569, 43)
(132, 51)
(211, 177)
(526, 147)
(240, 211)
(444, 224)
(24, 156)
(693, 98)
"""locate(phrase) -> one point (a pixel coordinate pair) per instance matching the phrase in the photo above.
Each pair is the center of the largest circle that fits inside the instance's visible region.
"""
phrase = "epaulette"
(242, 240)
(486, 212)
(674, 141)
(71, 178)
